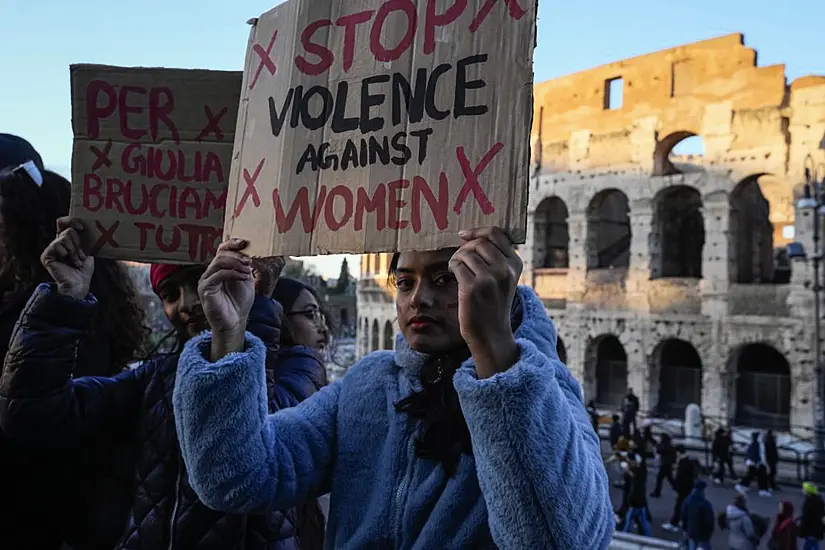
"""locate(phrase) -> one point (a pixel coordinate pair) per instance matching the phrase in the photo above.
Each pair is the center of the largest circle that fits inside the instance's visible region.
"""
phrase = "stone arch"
(606, 357)
(750, 234)
(561, 349)
(676, 377)
(666, 161)
(374, 342)
(551, 237)
(389, 333)
(678, 233)
(608, 230)
(763, 387)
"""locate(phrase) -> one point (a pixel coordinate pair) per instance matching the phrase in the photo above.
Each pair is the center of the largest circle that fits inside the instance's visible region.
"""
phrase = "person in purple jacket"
(40, 401)
(470, 434)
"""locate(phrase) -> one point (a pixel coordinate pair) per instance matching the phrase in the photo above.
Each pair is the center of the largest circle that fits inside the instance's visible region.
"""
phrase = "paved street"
(719, 496)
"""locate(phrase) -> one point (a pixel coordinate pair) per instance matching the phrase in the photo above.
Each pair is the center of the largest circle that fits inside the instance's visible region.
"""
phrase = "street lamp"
(813, 199)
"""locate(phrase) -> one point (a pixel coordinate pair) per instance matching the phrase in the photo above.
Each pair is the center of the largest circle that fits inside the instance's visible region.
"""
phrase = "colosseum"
(663, 261)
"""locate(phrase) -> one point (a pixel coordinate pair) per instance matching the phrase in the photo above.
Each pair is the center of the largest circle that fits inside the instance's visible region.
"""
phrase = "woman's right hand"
(66, 262)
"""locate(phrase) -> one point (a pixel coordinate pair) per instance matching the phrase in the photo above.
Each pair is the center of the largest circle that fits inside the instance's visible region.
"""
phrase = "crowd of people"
(693, 514)
(231, 439)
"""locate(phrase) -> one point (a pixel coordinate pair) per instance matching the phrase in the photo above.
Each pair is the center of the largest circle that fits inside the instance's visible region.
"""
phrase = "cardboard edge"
(240, 130)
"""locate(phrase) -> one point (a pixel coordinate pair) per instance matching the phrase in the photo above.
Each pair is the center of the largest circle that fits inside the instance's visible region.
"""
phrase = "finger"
(226, 263)
(487, 251)
(73, 237)
(233, 244)
(219, 277)
(67, 222)
(494, 234)
(462, 273)
(238, 256)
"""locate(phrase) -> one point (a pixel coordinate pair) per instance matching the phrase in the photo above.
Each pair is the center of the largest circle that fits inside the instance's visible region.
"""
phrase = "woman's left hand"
(487, 269)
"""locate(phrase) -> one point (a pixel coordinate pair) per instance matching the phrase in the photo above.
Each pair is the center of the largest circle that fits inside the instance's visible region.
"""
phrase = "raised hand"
(487, 269)
(64, 259)
(227, 290)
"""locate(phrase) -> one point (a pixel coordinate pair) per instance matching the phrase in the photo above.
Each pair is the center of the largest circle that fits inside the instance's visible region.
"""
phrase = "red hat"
(159, 272)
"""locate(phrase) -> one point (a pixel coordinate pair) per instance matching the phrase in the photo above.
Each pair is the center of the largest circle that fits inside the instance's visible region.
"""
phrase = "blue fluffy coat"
(536, 479)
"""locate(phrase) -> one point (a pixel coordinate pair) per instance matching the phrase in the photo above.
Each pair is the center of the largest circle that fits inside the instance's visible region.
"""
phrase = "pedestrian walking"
(667, 460)
(742, 534)
(722, 451)
(698, 519)
(616, 431)
(637, 512)
(593, 413)
(686, 473)
(784, 533)
(756, 463)
(771, 459)
(812, 521)
(630, 408)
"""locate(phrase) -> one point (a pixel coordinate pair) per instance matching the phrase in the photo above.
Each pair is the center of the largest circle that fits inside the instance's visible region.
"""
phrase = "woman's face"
(307, 323)
(181, 304)
(427, 302)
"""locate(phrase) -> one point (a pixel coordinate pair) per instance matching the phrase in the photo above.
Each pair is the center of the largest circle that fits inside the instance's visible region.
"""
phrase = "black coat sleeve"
(40, 402)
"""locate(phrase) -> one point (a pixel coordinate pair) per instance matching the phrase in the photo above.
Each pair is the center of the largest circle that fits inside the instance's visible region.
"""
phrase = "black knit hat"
(287, 290)
(15, 150)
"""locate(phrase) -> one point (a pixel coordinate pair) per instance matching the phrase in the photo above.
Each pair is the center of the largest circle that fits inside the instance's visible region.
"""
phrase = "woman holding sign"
(471, 433)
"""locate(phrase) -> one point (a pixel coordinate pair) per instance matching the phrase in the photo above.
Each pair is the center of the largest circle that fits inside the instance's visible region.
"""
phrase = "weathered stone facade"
(663, 272)
(376, 307)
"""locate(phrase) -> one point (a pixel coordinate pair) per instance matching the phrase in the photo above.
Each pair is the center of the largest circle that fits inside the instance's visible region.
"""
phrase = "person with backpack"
(812, 521)
(698, 518)
(686, 473)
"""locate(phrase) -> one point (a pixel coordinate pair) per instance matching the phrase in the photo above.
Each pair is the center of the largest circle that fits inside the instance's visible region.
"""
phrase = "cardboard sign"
(151, 158)
(373, 125)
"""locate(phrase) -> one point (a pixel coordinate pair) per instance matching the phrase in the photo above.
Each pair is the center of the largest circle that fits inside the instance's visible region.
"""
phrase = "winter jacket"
(636, 486)
(784, 535)
(52, 490)
(686, 472)
(616, 431)
(630, 405)
(535, 454)
(40, 402)
(741, 535)
(668, 455)
(698, 519)
(810, 524)
(721, 445)
(771, 451)
(755, 453)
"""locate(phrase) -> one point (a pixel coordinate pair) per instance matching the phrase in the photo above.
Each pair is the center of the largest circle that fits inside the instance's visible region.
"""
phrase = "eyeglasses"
(313, 315)
(30, 170)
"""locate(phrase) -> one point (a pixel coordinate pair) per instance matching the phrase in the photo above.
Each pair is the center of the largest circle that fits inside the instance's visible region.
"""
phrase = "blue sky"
(41, 38)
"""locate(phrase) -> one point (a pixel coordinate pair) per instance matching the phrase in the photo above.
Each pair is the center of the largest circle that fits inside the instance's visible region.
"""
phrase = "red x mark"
(107, 236)
(250, 189)
(266, 61)
(471, 179)
(102, 156)
(212, 124)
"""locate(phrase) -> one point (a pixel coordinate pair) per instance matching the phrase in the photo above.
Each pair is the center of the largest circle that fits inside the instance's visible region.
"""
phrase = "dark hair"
(29, 214)
(446, 435)
(287, 339)
(681, 449)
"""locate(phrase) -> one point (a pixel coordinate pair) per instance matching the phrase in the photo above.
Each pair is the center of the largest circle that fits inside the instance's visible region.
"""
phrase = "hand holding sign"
(487, 269)
(227, 290)
(66, 261)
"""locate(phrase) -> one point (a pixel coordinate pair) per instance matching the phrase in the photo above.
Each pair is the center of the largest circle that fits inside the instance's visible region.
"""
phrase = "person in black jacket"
(686, 473)
(667, 460)
(630, 408)
(771, 458)
(636, 493)
(698, 519)
(51, 494)
(722, 452)
(812, 521)
(40, 402)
